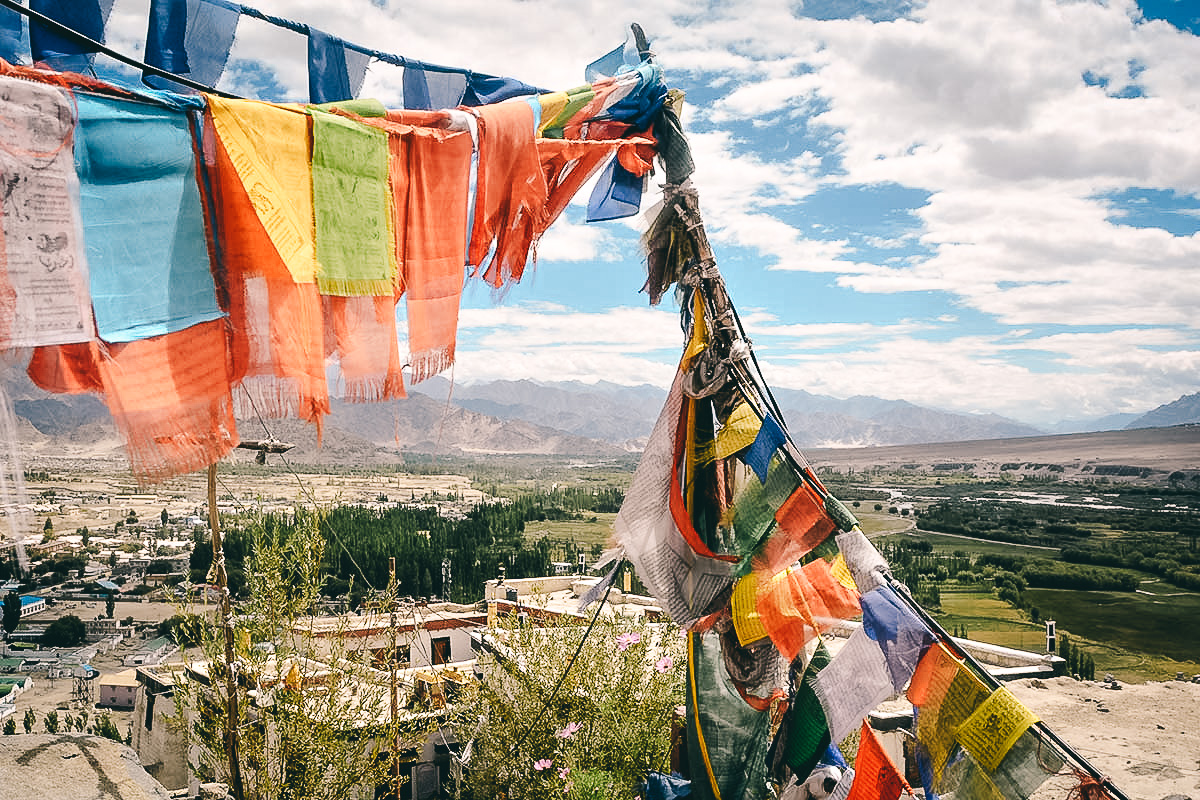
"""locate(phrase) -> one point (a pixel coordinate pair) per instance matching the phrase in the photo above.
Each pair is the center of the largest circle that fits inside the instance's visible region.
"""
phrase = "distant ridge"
(1183, 411)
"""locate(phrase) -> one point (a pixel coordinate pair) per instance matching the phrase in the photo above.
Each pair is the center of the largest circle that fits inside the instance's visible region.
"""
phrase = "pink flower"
(544, 763)
(664, 664)
(564, 772)
(569, 731)
(626, 639)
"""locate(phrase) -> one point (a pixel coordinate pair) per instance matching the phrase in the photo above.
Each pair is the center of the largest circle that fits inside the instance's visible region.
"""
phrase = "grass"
(1133, 629)
(584, 532)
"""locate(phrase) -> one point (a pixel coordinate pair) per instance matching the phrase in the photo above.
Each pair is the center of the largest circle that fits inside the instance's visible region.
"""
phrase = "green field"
(1153, 624)
(584, 532)
(1133, 636)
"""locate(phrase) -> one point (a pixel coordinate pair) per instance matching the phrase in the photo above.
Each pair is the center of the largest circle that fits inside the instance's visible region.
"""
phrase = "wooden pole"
(232, 716)
(392, 661)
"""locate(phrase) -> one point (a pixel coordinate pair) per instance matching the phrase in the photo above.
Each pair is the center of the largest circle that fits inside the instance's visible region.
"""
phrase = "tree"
(112, 559)
(12, 613)
(318, 744)
(85, 536)
(28, 721)
(609, 724)
(165, 517)
(65, 631)
(104, 726)
(10, 726)
(110, 605)
(50, 722)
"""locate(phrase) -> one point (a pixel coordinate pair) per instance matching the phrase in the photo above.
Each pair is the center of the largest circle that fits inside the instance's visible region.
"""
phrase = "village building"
(117, 691)
(31, 605)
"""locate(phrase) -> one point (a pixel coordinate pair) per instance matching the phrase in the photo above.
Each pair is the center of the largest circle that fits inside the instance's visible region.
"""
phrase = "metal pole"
(232, 716)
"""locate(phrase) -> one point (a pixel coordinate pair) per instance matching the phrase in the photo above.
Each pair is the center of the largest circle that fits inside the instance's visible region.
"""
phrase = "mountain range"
(559, 418)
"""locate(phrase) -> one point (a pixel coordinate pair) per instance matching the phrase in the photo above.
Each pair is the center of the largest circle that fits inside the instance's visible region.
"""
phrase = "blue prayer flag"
(618, 194)
(12, 36)
(143, 222)
(769, 439)
(484, 90)
(62, 51)
(191, 38)
(900, 633)
(335, 72)
(428, 89)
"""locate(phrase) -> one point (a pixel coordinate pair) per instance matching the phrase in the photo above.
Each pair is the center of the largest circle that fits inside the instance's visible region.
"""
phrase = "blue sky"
(981, 207)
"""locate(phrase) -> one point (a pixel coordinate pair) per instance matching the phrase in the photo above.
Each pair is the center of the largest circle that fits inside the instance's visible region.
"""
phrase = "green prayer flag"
(350, 204)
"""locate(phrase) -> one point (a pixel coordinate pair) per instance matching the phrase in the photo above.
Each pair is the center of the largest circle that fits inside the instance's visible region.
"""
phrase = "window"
(441, 650)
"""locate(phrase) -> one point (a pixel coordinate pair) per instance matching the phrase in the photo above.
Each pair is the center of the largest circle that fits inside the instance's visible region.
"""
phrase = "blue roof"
(28, 600)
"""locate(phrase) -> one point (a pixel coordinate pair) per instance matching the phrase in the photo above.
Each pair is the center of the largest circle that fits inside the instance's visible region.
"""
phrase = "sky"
(979, 207)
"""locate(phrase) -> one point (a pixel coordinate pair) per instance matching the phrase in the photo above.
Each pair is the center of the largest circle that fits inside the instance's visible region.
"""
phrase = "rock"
(74, 765)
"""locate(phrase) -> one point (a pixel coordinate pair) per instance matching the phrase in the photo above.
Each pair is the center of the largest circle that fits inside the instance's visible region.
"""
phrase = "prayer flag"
(143, 221)
(618, 194)
(62, 51)
(430, 89)
(900, 633)
(44, 295)
(866, 566)
(484, 90)
(739, 431)
(727, 739)
(277, 322)
(13, 36)
(511, 193)
(855, 682)
(168, 395)
(801, 525)
(685, 582)
(747, 622)
(875, 776)
(191, 38)
(770, 438)
(994, 727)
(807, 731)
(939, 720)
(268, 147)
(335, 71)
(430, 178)
(350, 206)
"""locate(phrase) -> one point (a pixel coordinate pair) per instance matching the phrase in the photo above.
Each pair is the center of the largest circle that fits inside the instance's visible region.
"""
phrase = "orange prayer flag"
(169, 395)
(934, 672)
(875, 776)
(785, 613)
(434, 248)
(277, 344)
(802, 525)
(364, 337)
(510, 191)
(828, 599)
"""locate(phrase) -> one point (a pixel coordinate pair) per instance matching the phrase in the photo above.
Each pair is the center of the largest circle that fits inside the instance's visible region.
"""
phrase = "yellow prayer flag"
(841, 573)
(744, 606)
(268, 145)
(990, 732)
(738, 432)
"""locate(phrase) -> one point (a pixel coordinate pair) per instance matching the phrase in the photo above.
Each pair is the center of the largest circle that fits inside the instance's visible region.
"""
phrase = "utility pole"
(232, 716)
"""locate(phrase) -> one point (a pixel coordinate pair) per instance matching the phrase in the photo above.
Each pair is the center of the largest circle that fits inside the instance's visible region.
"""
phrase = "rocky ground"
(1144, 737)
